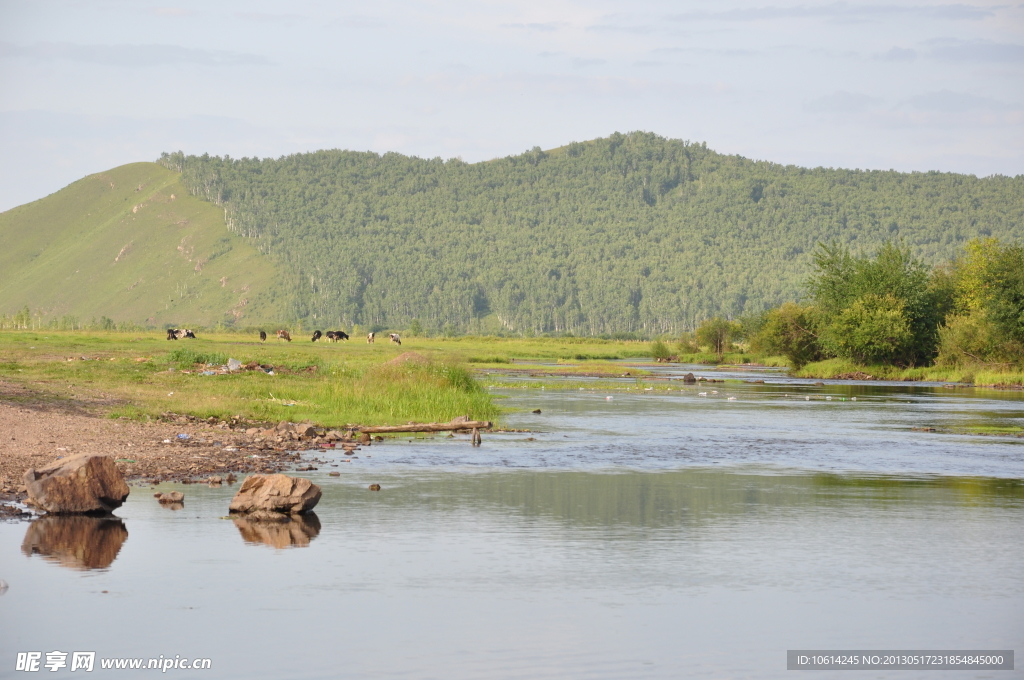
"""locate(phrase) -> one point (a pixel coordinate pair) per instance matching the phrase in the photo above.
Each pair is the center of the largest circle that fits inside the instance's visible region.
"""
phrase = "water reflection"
(76, 542)
(693, 498)
(295, 531)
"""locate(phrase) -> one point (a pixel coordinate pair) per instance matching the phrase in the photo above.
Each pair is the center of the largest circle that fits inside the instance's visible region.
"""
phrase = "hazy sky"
(86, 85)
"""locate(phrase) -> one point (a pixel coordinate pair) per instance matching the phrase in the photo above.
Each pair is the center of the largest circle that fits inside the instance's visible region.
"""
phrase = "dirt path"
(36, 428)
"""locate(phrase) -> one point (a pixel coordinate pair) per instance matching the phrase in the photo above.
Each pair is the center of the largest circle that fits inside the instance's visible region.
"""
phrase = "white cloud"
(951, 49)
(840, 11)
(842, 102)
(945, 101)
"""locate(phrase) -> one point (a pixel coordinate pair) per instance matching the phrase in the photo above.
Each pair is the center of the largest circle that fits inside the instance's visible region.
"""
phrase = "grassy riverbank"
(141, 375)
(843, 368)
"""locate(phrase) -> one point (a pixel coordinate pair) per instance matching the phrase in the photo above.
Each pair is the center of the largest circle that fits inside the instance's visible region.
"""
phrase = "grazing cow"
(263, 336)
(172, 333)
(316, 336)
(179, 333)
(395, 339)
(340, 335)
(369, 337)
(283, 335)
(187, 333)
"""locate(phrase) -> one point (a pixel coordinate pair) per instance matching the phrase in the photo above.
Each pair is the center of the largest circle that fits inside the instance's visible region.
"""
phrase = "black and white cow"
(317, 335)
(334, 336)
(179, 333)
(395, 339)
(370, 337)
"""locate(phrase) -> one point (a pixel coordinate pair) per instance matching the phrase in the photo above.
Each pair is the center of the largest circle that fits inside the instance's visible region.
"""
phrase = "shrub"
(659, 350)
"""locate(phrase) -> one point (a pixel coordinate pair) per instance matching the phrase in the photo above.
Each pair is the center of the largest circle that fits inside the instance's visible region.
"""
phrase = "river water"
(650, 535)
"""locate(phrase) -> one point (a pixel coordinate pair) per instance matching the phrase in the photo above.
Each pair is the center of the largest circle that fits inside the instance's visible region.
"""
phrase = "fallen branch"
(426, 427)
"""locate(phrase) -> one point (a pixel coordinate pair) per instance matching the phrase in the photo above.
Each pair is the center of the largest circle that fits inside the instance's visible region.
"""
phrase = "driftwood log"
(426, 427)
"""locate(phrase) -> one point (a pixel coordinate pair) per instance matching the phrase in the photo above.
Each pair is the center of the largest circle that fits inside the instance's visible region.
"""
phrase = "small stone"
(170, 497)
(536, 410)
(375, 487)
(334, 474)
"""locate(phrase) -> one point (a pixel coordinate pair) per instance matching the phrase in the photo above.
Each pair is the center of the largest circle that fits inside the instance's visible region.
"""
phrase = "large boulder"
(77, 485)
(276, 493)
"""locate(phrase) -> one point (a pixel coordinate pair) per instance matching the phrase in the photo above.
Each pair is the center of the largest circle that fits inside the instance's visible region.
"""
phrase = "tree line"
(891, 308)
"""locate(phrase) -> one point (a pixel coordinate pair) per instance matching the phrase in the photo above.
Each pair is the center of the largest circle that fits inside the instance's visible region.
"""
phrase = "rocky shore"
(173, 448)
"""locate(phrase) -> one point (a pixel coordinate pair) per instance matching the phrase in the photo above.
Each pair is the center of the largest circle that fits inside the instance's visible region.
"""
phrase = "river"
(655, 534)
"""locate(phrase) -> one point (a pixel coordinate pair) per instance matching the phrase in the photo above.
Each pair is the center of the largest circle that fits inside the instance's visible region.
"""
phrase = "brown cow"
(283, 335)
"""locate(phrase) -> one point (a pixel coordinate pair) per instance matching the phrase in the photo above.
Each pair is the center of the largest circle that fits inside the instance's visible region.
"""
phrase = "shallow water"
(653, 535)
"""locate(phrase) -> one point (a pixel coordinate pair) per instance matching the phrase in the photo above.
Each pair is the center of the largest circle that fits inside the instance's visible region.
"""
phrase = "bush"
(716, 334)
(659, 350)
(687, 344)
(874, 329)
(788, 330)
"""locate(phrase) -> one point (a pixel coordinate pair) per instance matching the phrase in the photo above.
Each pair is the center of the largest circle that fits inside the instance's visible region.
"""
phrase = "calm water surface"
(651, 535)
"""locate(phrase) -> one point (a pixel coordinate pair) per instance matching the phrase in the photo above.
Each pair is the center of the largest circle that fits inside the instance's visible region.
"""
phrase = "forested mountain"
(630, 233)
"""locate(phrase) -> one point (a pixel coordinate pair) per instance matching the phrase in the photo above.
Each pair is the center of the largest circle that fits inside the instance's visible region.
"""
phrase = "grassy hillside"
(630, 233)
(132, 244)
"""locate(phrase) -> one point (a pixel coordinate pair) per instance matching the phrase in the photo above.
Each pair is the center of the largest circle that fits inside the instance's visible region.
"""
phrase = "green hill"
(132, 244)
(630, 233)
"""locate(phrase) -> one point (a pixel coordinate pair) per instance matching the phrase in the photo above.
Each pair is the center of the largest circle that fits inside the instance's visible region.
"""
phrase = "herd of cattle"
(333, 336)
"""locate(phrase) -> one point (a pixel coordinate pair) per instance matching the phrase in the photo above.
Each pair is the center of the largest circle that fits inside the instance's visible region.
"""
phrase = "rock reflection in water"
(76, 542)
(294, 531)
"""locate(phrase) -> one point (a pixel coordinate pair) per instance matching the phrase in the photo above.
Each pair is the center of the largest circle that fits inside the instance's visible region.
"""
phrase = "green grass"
(333, 385)
(100, 247)
(981, 377)
(186, 357)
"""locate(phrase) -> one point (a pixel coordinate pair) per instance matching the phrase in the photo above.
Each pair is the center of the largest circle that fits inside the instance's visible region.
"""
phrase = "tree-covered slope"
(628, 233)
(132, 244)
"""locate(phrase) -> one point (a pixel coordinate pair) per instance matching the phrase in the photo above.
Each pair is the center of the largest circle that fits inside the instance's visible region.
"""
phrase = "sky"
(86, 85)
